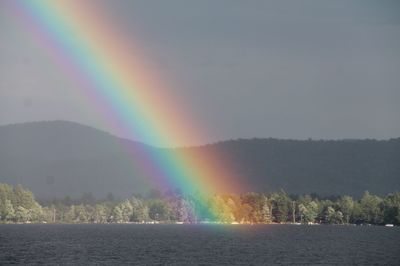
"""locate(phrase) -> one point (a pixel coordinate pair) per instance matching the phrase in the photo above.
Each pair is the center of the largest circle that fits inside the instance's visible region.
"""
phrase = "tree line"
(18, 205)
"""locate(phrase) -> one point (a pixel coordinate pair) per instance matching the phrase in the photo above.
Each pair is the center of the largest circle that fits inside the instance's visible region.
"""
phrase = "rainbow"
(108, 70)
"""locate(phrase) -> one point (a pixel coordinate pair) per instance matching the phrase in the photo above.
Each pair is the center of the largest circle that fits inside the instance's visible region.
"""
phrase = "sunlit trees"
(333, 216)
(346, 206)
(126, 210)
(159, 210)
(260, 210)
(69, 216)
(81, 214)
(35, 212)
(100, 214)
(78, 214)
(48, 214)
(22, 215)
(23, 198)
(18, 205)
(221, 210)
(7, 211)
(200, 207)
(6, 207)
(240, 210)
(117, 215)
(180, 209)
(308, 211)
(140, 212)
(370, 208)
(280, 203)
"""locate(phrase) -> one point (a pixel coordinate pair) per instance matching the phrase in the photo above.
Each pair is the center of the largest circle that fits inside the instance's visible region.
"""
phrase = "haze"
(286, 69)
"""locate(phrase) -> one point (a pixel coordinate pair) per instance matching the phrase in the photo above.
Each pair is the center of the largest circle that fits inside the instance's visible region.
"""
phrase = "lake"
(113, 244)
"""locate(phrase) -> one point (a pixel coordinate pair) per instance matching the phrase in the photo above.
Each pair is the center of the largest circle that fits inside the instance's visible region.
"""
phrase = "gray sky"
(286, 69)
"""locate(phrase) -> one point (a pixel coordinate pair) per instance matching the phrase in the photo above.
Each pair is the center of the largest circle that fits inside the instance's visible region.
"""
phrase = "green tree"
(36, 213)
(221, 210)
(70, 216)
(370, 208)
(391, 207)
(117, 215)
(260, 208)
(6, 206)
(7, 212)
(140, 212)
(81, 214)
(127, 210)
(333, 216)
(159, 210)
(346, 206)
(48, 214)
(100, 213)
(281, 203)
(23, 198)
(308, 212)
(265, 211)
(22, 215)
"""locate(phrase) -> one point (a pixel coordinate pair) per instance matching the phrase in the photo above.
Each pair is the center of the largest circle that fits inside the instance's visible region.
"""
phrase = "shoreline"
(210, 223)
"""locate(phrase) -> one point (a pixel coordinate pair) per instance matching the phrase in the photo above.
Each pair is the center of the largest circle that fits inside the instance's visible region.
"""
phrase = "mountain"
(60, 158)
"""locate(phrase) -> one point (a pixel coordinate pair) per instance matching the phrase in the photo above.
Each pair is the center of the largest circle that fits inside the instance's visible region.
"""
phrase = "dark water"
(199, 245)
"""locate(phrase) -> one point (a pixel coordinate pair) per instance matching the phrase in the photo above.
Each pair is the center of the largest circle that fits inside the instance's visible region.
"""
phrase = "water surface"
(199, 245)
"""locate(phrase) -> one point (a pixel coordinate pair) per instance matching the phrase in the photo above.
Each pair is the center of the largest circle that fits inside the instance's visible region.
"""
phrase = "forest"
(18, 205)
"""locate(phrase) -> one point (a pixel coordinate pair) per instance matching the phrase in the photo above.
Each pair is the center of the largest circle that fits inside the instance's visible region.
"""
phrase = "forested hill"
(324, 167)
(63, 158)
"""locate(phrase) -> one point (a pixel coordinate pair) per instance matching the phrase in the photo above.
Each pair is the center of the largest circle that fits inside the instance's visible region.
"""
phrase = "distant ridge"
(59, 158)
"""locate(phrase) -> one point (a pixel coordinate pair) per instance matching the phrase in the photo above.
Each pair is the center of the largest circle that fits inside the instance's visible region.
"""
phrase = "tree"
(260, 208)
(370, 208)
(48, 214)
(117, 215)
(7, 211)
(140, 212)
(265, 212)
(19, 205)
(35, 212)
(220, 210)
(308, 212)
(302, 211)
(70, 216)
(22, 215)
(159, 210)
(81, 214)
(23, 198)
(333, 216)
(100, 213)
(346, 206)
(180, 209)
(127, 210)
(280, 206)
(391, 207)
(6, 206)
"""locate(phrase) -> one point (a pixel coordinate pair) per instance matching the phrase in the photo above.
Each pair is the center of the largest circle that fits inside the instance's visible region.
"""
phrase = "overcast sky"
(286, 69)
